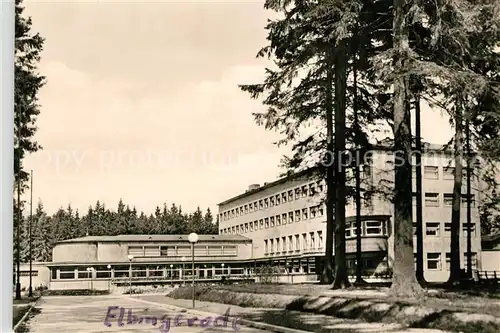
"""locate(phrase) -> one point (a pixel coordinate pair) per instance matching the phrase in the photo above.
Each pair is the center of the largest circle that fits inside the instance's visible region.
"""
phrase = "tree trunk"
(327, 275)
(359, 263)
(404, 283)
(340, 280)
(457, 199)
(418, 177)
(469, 212)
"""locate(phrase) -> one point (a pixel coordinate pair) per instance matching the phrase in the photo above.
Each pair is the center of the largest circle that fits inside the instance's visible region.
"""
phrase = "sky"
(142, 103)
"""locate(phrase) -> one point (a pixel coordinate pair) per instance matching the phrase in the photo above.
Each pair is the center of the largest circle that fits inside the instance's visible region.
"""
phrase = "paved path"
(78, 314)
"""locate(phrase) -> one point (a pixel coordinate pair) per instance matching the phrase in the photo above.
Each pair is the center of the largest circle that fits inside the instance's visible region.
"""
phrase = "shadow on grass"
(294, 320)
(445, 319)
(24, 327)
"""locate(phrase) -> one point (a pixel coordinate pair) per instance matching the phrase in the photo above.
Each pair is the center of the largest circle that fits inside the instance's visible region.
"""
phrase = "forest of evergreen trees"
(100, 221)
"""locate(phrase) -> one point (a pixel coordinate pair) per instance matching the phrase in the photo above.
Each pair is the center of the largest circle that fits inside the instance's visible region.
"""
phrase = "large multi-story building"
(285, 219)
(278, 228)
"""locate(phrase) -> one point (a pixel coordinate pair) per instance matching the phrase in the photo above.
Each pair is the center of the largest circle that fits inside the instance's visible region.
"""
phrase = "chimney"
(253, 187)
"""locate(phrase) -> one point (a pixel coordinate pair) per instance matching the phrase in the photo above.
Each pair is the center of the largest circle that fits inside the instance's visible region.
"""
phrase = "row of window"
(273, 200)
(432, 172)
(434, 261)
(434, 199)
(434, 229)
(275, 221)
(368, 228)
(179, 251)
(306, 241)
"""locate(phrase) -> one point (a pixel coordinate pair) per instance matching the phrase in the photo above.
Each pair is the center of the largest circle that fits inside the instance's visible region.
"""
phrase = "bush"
(75, 292)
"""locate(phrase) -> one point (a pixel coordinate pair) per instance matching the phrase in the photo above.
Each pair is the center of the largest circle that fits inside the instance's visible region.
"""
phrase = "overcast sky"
(142, 103)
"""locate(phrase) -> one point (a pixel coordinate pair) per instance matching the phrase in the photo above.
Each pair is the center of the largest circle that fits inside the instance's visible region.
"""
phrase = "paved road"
(88, 313)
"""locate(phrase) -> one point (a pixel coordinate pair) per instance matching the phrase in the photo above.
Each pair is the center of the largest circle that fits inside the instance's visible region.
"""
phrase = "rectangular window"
(233, 229)
(297, 242)
(272, 221)
(266, 247)
(290, 195)
(255, 206)
(434, 261)
(432, 199)
(283, 197)
(447, 227)
(278, 220)
(290, 217)
(271, 245)
(432, 229)
(320, 239)
(431, 172)
(448, 199)
(448, 261)
(305, 191)
(283, 244)
(473, 260)
(297, 193)
(246, 209)
(304, 242)
(246, 227)
(320, 187)
(472, 227)
(251, 226)
(261, 224)
(266, 203)
(283, 218)
(304, 214)
(297, 215)
(256, 225)
(266, 220)
(472, 200)
(271, 201)
(448, 173)
(374, 227)
(136, 251)
(277, 245)
(261, 204)
(312, 212)
(290, 243)
(312, 189)
(238, 229)
(250, 208)
(321, 211)
(151, 251)
(311, 237)
(278, 199)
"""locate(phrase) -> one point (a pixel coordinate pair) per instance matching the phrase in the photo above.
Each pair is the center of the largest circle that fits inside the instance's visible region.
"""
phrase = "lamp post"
(30, 290)
(183, 270)
(90, 270)
(171, 274)
(130, 258)
(193, 238)
(109, 281)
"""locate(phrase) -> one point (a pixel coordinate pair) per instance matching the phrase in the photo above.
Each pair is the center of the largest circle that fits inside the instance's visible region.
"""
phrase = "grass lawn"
(24, 300)
(18, 312)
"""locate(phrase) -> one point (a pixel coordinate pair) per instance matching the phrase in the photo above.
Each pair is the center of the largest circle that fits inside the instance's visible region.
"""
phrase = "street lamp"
(193, 238)
(109, 281)
(130, 258)
(89, 270)
(183, 270)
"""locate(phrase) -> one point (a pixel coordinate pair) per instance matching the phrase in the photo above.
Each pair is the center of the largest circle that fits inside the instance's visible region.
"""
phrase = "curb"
(244, 322)
(23, 318)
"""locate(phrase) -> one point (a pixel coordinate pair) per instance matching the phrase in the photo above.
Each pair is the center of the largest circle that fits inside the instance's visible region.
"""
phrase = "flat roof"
(153, 238)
